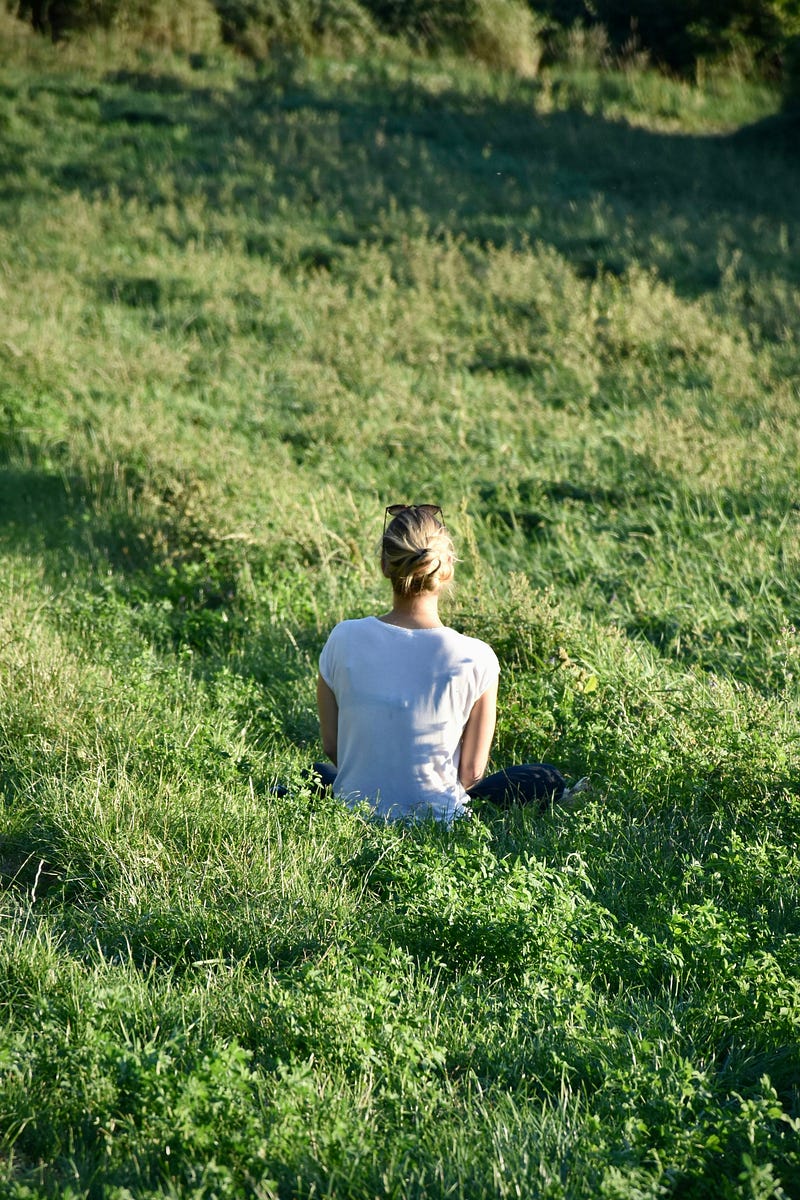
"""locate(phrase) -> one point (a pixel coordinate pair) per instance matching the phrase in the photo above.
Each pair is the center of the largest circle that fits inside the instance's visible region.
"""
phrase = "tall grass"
(243, 307)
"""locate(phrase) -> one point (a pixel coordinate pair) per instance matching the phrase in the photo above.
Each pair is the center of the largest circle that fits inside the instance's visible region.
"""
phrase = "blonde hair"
(417, 553)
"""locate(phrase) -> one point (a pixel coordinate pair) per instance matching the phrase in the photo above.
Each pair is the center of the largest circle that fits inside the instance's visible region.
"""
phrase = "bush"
(61, 17)
(750, 35)
(257, 26)
(584, 47)
(430, 23)
(688, 32)
(787, 17)
(791, 69)
(502, 33)
(190, 27)
(253, 26)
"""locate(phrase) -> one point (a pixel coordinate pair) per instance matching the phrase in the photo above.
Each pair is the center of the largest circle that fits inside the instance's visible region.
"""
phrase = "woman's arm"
(328, 711)
(476, 740)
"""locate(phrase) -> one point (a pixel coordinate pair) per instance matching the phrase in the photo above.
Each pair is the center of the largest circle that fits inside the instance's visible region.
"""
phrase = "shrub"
(504, 34)
(256, 26)
(688, 32)
(61, 17)
(426, 22)
(788, 16)
(584, 47)
(792, 72)
(190, 27)
(253, 26)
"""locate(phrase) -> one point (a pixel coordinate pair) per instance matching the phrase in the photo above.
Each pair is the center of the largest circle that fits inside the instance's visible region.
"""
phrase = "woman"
(407, 706)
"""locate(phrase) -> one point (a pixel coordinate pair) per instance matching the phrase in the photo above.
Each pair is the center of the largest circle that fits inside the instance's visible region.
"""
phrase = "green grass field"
(242, 308)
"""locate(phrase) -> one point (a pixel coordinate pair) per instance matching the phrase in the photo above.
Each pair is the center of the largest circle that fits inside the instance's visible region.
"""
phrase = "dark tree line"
(676, 35)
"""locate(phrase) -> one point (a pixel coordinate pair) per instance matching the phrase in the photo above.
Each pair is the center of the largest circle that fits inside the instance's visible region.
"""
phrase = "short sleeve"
(326, 661)
(488, 669)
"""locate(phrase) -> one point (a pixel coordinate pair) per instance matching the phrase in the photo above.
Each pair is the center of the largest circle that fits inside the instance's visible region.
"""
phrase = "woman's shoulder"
(342, 644)
(464, 637)
(352, 624)
(349, 628)
(477, 648)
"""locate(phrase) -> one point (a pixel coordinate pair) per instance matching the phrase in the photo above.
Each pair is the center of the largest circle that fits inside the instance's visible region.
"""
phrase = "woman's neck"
(414, 612)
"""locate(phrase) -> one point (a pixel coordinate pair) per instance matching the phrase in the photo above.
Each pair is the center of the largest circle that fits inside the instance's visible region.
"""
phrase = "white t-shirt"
(404, 696)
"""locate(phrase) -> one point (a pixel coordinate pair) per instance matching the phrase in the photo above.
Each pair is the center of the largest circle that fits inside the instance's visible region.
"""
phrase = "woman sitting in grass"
(407, 706)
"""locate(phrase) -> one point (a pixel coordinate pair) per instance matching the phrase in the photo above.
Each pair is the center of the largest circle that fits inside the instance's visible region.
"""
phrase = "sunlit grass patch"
(243, 309)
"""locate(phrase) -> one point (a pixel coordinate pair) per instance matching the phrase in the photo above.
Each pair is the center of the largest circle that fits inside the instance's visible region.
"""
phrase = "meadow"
(243, 306)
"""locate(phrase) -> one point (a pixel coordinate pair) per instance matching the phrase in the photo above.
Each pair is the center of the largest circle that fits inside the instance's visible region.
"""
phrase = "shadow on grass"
(150, 573)
(373, 159)
(88, 529)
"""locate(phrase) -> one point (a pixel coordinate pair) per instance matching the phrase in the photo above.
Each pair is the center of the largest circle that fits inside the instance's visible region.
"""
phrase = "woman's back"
(404, 696)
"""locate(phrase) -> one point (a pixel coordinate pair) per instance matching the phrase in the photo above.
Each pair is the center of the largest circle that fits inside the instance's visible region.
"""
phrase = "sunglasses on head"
(429, 510)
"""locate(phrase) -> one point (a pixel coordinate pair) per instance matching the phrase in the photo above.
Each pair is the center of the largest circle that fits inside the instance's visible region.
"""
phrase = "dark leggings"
(527, 783)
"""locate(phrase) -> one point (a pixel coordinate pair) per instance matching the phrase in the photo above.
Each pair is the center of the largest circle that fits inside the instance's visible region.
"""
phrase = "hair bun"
(416, 546)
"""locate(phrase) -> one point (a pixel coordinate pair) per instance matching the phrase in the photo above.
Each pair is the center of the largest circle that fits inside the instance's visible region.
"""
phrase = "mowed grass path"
(240, 311)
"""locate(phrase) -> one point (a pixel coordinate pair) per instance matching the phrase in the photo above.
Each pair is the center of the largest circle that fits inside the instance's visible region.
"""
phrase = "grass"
(243, 308)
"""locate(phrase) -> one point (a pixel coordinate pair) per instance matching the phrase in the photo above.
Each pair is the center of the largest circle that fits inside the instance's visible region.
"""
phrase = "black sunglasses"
(429, 510)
